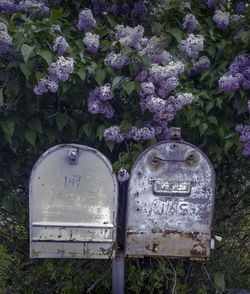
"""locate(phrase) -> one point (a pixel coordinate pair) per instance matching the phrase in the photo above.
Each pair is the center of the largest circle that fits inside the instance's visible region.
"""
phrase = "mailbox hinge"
(175, 133)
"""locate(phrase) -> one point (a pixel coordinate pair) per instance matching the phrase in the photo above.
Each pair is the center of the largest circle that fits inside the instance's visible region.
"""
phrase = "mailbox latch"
(175, 133)
(72, 155)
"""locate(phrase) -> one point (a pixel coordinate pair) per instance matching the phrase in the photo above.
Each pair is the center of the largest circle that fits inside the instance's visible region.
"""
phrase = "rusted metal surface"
(73, 204)
(170, 202)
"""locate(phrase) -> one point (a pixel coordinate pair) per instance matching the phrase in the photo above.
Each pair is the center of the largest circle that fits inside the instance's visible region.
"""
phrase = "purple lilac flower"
(113, 134)
(228, 83)
(114, 10)
(105, 93)
(240, 8)
(122, 175)
(99, 6)
(142, 76)
(60, 46)
(190, 23)
(5, 39)
(62, 68)
(221, 18)
(125, 10)
(200, 65)
(115, 60)
(46, 84)
(147, 88)
(139, 12)
(155, 50)
(192, 45)
(244, 137)
(128, 36)
(92, 42)
(183, 99)
(86, 20)
(238, 75)
(9, 6)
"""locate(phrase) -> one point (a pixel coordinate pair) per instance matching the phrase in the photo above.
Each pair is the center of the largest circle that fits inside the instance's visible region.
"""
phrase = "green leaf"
(127, 50)
(115, 83)
(125, 126)
(55, 14)
(219, 101)
(40, 75)
(245, 37)
(100, 76)
(26, 51)
(81, 73)
(30, 136)
(61, 120)
(209, 106)
(145, 61)
(35, 125)
(176, 32)
(229, 143)
(213, 120)
(204, 74)
(219, 281)
(8, 127)
(1, 97)
(129, 87)
(87, 129)
(25, 70)
(100, 131)
(46, 55)
(157, 27)
(110, 145)
(133, 68)
(221, 132)
(203, 127)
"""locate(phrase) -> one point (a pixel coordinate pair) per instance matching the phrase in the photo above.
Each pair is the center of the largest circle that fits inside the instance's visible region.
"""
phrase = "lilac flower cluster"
(221, 18)
(97, 101)
(139, 12)
(238, 75)
(59, 71)
(190, 23)
(240, 7)
(128, 36)
(11, 6)
(60, 46)
(244, 137)
(192, 45)
(115, 60)
(92, 42)
(5, 39)
(155, 49)
(99, 6)
(86, 20)
(200, 65)
(122, 175)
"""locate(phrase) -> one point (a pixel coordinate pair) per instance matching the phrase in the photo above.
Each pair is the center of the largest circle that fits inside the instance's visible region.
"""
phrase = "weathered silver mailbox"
(73, 204)
(170, 202)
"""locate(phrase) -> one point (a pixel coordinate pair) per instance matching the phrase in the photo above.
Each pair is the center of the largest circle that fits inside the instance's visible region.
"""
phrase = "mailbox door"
(170, 202)
(73, 204)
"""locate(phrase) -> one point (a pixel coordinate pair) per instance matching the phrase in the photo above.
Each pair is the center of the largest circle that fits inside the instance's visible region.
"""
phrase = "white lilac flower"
(128, 36)
(192, 45)
(113, 134)
(60, 46)
(147, 88)
(105, 93)
(228, 83)
(5, 39)
(62, 68)
(92, 42)
(86, 20)
(190, 23)
(183, 99)
(221, 18)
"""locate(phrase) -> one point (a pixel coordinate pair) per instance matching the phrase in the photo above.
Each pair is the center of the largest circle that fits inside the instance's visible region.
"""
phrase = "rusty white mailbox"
(73, 204)
(170, 202)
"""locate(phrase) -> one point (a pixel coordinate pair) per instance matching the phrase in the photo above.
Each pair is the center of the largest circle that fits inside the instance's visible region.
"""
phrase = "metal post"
(118, 274)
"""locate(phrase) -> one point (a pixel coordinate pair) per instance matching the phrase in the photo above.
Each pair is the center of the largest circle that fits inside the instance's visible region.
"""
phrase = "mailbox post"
(170, 202)
(73, 204)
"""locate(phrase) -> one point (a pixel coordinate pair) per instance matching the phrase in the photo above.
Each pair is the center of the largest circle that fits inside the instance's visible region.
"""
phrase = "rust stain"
(112, 250)
(153, 162)
(73, 254)
(155, 245)
(36, 253)
(198, 250)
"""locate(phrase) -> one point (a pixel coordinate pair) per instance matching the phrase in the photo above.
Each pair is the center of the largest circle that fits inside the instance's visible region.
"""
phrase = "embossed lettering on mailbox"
(170, 202)
(73, 204)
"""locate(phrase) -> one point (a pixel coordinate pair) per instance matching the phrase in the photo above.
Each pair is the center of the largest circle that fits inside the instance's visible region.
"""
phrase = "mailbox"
(170, 202)
(73, 204)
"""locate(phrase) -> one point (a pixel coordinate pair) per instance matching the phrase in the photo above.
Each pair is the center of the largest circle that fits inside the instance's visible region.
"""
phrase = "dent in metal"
(159, 223)
(73, 204)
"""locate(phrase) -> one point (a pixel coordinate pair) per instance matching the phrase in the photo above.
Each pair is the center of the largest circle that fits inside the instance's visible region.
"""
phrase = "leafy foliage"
(30, 124)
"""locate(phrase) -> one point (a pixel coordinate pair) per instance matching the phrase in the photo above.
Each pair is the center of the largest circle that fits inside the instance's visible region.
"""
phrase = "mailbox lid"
(73, 200)
(170, 202)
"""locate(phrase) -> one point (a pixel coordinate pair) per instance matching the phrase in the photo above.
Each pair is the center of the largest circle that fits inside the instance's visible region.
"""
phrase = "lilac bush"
(5, 39)
(244, 137)
(86, 20)
(92, 42)
(221, 18)
(190, 23)
(60, 46)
